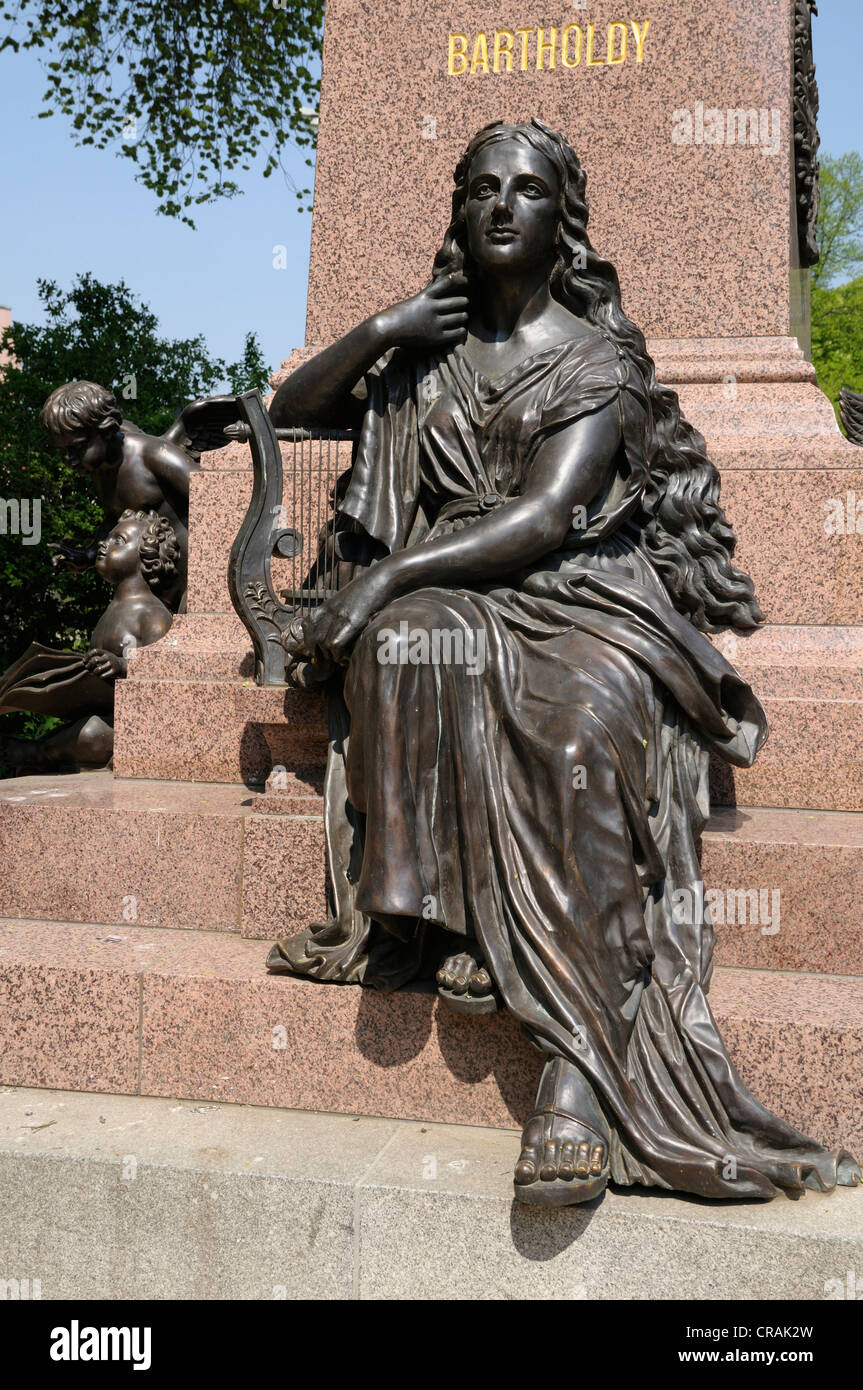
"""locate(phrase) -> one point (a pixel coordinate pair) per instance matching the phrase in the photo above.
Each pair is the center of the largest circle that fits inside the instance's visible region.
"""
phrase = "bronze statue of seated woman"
(520, 745)
(139, 555)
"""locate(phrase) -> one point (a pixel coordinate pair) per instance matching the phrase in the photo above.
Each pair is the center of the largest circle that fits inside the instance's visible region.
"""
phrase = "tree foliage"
(189, 90)
(837, 338)
(100, 333)
(840, 220)
(837, 300)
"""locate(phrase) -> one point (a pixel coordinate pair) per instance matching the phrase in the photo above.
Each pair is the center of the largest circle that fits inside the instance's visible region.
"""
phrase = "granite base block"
(813, 758)
(790, 887)
(133, 1198)
(232, 731)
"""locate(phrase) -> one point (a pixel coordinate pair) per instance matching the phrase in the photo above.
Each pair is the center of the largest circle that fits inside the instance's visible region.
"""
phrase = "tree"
(840, 219)
(189, 90)
(99, 333)
(837, 338)
(837, 300)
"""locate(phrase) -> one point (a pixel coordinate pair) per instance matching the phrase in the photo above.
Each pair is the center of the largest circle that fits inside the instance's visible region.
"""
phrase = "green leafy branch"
(191, 93)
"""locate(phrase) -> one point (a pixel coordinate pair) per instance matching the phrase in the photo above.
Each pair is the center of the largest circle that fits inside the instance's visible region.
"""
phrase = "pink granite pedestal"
(119, 976)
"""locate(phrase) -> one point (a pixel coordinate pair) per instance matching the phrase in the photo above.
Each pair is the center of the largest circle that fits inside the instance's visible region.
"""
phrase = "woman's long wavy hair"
(683, 528)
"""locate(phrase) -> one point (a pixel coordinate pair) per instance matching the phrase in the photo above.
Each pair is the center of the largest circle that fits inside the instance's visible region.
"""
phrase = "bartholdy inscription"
(517, 50)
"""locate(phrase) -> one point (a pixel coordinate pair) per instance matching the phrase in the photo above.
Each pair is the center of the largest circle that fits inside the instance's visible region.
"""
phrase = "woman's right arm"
(320, 392)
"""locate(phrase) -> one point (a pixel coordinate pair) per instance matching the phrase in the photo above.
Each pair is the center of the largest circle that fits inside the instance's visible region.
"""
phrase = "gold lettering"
(525, 35)
(503, 49)
(459, 52)
(564, 46)
(548, 46)
(577, 42)
(640, 38)
(613, 31)
(591, 61)
(480, 54)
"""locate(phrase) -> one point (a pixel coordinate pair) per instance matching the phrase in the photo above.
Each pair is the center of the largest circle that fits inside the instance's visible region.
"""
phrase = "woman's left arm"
(568, 471)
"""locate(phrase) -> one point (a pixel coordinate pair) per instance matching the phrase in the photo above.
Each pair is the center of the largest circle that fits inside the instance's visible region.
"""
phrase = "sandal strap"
(573, 1119)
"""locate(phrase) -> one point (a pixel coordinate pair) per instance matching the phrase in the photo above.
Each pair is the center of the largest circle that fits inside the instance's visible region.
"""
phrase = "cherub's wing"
(201, 426)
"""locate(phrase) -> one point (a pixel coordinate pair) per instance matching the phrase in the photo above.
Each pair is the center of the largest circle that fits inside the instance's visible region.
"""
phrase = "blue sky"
(68, 210)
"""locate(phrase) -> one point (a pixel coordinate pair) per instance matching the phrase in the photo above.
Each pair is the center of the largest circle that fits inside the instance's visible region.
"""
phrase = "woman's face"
(512, 209)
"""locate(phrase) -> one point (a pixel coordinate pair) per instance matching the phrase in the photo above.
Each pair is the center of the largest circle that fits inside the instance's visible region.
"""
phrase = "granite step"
(145, 1011)
(231, 731)
(99, 849)
(121, 1197)
(215, 730)
(95, 848)
(191, 711)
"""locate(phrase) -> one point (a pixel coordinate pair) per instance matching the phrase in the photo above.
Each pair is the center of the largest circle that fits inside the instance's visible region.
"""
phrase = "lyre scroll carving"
(298, 528)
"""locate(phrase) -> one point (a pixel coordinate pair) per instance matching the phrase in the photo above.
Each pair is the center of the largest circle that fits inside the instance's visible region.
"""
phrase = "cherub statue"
(140, 557)
(131, 470)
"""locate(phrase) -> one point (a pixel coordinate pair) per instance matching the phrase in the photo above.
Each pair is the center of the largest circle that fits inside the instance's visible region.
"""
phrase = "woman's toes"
(455, 973)
(566, 1166)
(548, 1171)
(459, 972)
(525, 1169)
(446, 974)
(597, 1159)
(582, 1161)
(480, 982)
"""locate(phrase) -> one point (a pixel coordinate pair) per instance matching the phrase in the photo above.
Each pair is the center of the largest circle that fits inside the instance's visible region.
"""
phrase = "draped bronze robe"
(548, 805)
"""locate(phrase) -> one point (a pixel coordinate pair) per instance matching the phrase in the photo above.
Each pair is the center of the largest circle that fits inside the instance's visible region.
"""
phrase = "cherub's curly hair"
(683, 527)
(159, 551)
(80, 405)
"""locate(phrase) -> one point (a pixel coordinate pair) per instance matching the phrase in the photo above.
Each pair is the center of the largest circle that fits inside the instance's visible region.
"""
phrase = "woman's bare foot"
(466, 985)
(564, 1145)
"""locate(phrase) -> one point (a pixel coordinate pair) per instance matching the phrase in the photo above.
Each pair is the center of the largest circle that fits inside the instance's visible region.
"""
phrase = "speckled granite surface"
(700, 234)
(82, 849)
(191, 1014)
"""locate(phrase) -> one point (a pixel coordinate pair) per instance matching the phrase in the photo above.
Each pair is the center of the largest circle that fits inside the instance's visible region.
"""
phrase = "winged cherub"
(131, 470)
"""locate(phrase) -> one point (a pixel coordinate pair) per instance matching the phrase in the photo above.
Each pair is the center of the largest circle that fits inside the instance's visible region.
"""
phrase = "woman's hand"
(330, 632)
(436, 317)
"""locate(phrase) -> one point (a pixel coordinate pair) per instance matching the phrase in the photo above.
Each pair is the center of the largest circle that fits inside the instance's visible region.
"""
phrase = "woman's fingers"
(324, 636)
(456, 279)
(451, 306)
